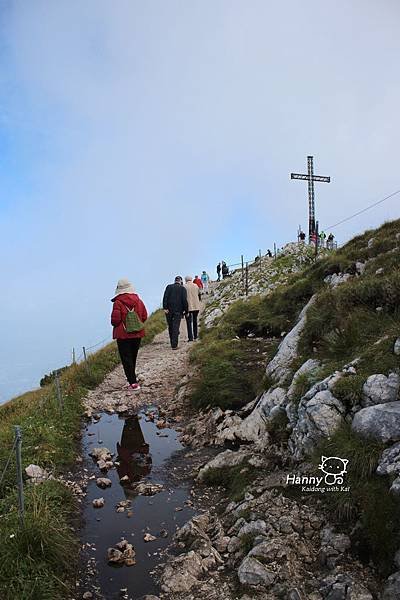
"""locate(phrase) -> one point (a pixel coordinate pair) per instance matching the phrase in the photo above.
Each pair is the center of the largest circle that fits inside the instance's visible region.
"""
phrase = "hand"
(166, 311)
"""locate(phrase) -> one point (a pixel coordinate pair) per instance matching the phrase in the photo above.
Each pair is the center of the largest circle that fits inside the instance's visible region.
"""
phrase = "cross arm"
(298, 176)
(321, 178)
(314, 177)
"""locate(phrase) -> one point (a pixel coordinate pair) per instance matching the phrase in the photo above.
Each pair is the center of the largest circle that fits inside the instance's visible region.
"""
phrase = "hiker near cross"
(310, 177)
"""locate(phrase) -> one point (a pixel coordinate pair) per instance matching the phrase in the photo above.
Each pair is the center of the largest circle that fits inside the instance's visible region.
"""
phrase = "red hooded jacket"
(198, 282)
(120, 309)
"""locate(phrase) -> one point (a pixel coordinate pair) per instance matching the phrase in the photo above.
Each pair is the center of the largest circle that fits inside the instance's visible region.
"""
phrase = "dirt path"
(159, 369)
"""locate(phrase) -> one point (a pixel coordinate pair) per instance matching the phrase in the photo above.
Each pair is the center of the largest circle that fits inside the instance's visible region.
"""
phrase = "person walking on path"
(175, 305)
(198, 282)
(127, 318)
(322, 238)
(194, 308)
(219, 272)
(225, 270)
(205, 280)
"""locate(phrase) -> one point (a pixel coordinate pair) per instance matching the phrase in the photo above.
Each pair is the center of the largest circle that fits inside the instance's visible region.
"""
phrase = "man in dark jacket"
(175, 305)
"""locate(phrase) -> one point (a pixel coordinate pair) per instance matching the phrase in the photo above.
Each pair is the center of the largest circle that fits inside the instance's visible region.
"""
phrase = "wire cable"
(360, 212)
(98, 343)
(8, 462)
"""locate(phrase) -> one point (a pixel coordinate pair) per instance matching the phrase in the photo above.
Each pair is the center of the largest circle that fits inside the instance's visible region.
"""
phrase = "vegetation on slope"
(358, 319)
(39, 561)
(377, 536)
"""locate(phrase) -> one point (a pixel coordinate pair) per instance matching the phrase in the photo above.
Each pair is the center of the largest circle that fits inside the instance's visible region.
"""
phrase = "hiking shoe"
(135, 387)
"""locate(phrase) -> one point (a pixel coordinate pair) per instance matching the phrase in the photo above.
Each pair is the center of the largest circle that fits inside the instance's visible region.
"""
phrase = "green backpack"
(132, 321)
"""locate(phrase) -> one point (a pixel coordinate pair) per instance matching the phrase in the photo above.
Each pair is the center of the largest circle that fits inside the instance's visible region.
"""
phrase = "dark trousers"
(128, 351)
(191, 323)
(174, 323)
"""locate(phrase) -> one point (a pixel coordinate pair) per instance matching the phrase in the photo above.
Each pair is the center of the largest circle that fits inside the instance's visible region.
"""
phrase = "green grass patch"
(368, 501)
(51, 439)
(38, 561)
(230, 372)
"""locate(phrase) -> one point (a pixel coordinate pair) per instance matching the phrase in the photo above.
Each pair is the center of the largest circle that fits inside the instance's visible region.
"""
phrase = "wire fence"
(277, 251)
(16, 448)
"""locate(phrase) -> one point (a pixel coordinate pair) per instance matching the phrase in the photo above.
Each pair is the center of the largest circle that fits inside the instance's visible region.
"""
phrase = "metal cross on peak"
(310, 177)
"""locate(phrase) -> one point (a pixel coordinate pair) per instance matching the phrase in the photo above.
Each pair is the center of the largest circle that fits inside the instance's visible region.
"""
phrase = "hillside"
(289, 412)
(300, 381)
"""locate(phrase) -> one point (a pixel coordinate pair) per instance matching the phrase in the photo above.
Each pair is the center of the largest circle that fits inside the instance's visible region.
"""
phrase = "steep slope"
(302, 376)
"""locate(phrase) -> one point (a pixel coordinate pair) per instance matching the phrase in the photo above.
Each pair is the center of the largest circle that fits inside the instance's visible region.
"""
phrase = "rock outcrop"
(381, 422)
(280, 366)
(379, 389)
(254, 427)
(318, 416)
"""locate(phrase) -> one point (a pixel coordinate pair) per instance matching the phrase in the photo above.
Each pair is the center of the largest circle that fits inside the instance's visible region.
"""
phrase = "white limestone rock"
(279, 367)
(379, 389)
(381, 422)
(389, 463)
(318, 418)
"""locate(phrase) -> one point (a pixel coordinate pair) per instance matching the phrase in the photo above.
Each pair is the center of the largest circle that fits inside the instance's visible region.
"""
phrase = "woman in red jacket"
(125, 300)
(198, 282)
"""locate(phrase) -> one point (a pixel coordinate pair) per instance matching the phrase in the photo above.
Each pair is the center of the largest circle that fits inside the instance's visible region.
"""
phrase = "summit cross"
(310, 177)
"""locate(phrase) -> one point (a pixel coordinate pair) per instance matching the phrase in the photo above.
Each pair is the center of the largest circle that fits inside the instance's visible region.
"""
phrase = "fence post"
(274, 250)
(86, 360)
(58, 390)
(73, 356)
(247, 279)
(259, 254)
(242, 268)
(20, 481)
(316, 238)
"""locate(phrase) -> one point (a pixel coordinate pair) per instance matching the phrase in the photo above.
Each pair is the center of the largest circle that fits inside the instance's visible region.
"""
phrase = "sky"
(147, 139)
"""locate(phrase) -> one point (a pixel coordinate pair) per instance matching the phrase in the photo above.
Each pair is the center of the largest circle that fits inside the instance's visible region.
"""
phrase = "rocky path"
(159, 371)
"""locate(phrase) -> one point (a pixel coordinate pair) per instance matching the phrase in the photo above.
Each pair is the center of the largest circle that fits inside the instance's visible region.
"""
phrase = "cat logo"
(334, 469)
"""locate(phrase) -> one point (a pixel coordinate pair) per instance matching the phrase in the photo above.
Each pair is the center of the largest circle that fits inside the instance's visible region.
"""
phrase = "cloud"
(145, 139)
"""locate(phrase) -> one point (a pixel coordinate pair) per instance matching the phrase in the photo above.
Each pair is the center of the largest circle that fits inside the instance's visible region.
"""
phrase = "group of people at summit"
(129, 315)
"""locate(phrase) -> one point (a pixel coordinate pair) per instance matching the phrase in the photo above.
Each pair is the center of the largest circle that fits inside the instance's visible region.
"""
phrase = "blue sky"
(143, 140)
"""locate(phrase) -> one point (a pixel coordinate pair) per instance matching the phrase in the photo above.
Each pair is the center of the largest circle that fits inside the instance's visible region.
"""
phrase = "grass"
(368, 500)
(31, 565)
(234, 479)
(230, 372)
(342, 325)
(38, 561)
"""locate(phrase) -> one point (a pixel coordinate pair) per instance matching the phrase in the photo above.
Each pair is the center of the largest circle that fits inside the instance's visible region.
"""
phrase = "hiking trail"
(127, 445)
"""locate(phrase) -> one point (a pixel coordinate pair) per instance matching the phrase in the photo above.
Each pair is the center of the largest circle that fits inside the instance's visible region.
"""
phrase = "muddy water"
(142, 451)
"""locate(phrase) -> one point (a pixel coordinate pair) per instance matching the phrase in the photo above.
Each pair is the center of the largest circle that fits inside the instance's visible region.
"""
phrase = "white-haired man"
(194, 305)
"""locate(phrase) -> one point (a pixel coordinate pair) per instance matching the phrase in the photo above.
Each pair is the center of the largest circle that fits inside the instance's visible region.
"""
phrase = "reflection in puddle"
(134, 460)
(140, 455)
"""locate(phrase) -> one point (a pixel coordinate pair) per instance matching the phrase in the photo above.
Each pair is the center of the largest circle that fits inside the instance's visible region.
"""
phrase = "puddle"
(142, 451)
